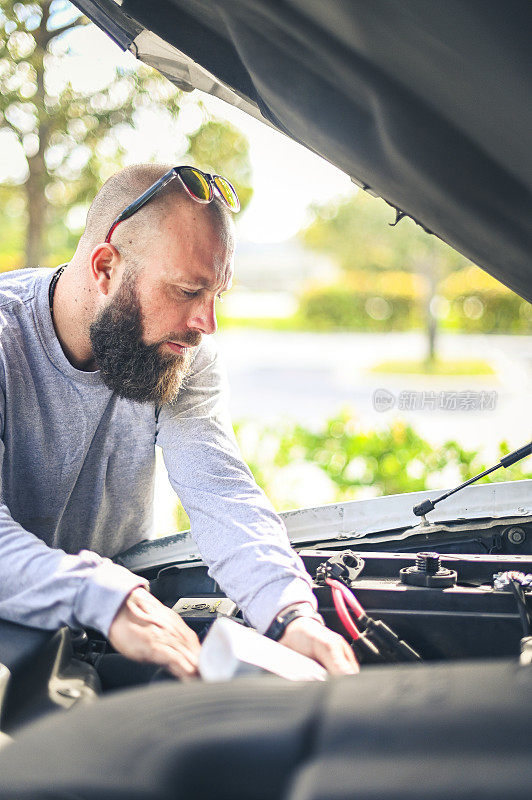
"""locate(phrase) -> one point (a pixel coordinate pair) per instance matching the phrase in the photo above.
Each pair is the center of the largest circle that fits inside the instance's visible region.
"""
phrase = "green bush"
(395, 301)
(335, 308)
(489, 313)
(11, 259)
(354, 462)
(479, 303)
(365, 301)
(391, 460)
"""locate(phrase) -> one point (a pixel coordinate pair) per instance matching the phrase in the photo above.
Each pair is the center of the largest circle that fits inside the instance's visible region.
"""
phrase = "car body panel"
(356, 519)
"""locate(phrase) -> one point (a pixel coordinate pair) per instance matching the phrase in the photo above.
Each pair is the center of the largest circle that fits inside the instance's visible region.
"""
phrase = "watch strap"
(282, 620)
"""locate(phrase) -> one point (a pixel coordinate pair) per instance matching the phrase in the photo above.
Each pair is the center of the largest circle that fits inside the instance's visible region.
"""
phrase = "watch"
(282, 620)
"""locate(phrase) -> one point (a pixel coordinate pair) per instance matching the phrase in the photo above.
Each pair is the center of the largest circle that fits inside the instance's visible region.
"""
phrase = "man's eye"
(189, 293)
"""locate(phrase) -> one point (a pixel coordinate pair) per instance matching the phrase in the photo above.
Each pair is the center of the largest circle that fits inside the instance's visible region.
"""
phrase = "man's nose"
(203, 317)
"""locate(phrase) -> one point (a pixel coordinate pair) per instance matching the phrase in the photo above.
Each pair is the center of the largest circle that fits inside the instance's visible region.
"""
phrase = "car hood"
(427, 105)
(352, 521)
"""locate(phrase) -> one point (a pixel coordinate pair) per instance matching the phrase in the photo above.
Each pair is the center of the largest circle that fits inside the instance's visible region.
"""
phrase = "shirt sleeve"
(47, 588)
(239, 535)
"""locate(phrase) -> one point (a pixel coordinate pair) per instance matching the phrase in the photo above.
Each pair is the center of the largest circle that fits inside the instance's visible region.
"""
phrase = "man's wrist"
(288, 614)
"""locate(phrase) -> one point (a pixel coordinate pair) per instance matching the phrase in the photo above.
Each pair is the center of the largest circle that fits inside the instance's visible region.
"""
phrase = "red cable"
(348, 596)
(343, 613)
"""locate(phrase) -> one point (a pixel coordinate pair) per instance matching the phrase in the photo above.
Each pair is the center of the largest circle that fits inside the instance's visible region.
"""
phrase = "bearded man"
(100, 361)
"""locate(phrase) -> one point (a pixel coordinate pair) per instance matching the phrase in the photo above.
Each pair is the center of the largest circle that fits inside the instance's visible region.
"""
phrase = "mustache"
(190, 338)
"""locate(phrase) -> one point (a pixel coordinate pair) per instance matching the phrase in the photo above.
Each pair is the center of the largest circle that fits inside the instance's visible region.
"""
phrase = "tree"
(73, 140)
(359, 234)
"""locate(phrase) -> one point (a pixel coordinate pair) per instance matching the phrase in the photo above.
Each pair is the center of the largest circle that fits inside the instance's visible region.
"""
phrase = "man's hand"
(146, 630)
(309, 637)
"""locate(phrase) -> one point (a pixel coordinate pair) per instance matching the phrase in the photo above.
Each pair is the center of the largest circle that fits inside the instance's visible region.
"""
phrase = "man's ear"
(105, 261)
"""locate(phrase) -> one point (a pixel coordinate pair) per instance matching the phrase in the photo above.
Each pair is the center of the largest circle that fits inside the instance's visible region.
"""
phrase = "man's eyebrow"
(194, 285)
(199, 280)
(197, 284)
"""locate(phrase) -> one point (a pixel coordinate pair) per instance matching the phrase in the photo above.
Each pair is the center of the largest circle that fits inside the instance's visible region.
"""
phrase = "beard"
(128, 366)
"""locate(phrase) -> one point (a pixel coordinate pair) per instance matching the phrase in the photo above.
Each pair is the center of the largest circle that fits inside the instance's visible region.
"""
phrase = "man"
(100, 362)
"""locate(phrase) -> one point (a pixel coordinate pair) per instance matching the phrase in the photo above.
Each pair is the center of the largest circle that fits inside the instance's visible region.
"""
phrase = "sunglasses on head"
(199, 185)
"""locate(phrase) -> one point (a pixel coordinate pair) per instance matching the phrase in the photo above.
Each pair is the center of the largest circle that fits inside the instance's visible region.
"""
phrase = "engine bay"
(452, 602)
(467, 620)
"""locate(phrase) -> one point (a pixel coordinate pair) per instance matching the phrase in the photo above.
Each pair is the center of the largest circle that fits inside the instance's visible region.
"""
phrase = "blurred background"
(365, 356)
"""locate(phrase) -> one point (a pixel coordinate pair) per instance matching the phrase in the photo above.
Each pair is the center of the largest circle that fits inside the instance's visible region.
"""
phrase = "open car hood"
(351, 522)
(428, 105)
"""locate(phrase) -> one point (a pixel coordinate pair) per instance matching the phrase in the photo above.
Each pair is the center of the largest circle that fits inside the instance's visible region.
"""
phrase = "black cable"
(522, 606)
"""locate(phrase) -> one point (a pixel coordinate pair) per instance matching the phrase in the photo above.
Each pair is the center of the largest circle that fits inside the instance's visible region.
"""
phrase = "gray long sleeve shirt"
(77, 481)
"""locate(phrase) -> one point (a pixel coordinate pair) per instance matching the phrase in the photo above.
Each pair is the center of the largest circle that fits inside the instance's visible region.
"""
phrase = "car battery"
(199, 612)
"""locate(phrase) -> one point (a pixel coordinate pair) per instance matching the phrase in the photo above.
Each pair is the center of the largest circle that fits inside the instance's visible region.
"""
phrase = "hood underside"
(426, 104)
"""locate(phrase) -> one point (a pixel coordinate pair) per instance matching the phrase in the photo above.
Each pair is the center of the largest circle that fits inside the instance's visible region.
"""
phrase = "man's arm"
(47, 588)
(239, 535)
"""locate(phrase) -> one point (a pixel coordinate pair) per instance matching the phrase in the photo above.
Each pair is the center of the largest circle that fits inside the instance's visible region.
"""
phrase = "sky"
(272, 215)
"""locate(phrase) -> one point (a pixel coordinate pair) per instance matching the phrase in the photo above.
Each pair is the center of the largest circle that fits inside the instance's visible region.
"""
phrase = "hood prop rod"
(428, 505)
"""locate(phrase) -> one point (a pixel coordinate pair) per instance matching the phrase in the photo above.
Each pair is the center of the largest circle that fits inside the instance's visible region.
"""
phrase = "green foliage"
(364, 301)
(479, 303)
(180, 519)
(469, 300)
(357, 233)
(220, 148)
(11, 211)
(462, 366)
(73, 140)
(490, 313)
(354, 462)
(391, 460)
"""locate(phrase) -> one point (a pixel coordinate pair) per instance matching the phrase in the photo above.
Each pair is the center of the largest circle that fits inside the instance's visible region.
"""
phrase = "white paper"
(230, 650)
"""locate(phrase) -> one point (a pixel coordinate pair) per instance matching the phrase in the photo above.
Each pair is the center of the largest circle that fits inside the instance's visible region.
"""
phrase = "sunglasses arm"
(140, 201)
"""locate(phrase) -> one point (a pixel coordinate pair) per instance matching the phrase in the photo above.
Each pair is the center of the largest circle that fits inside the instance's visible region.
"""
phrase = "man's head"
(155, 284)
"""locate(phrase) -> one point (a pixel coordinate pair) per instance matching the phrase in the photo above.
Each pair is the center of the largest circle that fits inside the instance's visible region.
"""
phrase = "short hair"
(121, 189)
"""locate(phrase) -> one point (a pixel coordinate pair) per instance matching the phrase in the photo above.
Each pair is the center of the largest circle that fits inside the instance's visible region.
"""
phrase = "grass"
(462, 366)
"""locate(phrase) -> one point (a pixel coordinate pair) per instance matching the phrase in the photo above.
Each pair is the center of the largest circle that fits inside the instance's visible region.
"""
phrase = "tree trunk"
(431, 333)
(36, 206)
(429, 268)
(36, 203)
